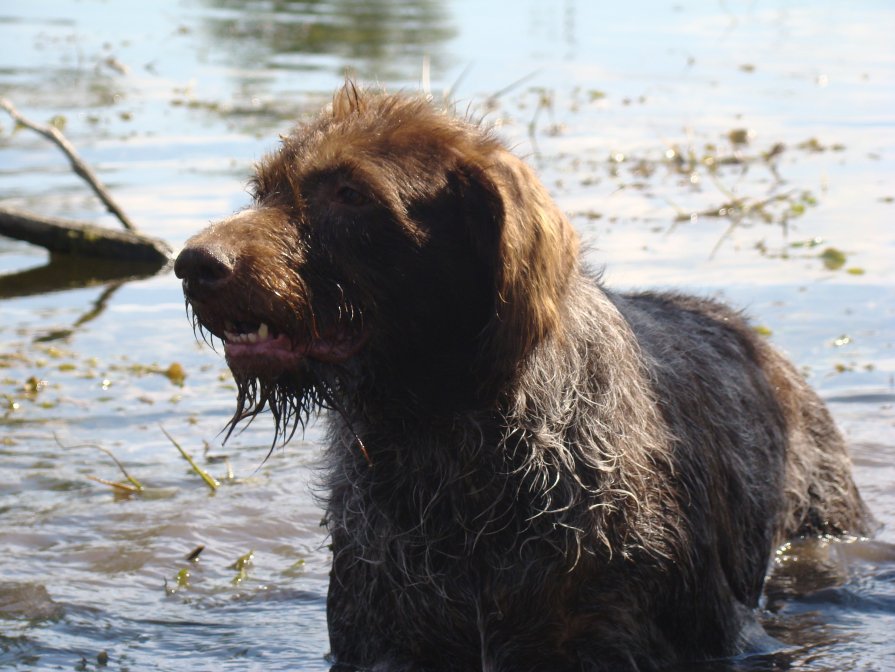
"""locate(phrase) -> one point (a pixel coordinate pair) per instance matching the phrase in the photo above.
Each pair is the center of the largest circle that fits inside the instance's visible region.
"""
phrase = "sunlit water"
(618, 105)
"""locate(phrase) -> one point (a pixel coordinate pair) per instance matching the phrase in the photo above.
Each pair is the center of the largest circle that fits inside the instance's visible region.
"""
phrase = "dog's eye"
(349, 196)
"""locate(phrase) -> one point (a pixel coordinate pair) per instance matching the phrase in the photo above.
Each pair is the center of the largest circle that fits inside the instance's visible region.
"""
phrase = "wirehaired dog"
(526, 470)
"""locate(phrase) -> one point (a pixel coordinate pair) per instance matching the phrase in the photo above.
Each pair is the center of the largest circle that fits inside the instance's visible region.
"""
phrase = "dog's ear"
(529, 247)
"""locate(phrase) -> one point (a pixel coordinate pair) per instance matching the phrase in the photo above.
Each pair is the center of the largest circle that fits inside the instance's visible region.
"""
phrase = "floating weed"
(193, 556)
(725, 164)
(174, 372)
(183, 576)
(815, 145)
(811, 145)
(812, 242)
(242, 564)
(243, 561)
(33, 386)
(740, 136)
(297, 568)
(8, 359)
(123, 490)
(131, 487)
(209, 480)
(58, 122)
(771, 154)
(832, 258)
(808, 198)
(850, 367)
(590, 215)
(181, 581)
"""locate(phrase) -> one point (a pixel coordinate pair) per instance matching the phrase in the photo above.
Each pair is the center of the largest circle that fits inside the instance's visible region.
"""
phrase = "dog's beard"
(292, 398)
(292, 401)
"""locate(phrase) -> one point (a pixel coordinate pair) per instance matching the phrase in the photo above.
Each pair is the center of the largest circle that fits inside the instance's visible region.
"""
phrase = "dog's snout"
(202, 267)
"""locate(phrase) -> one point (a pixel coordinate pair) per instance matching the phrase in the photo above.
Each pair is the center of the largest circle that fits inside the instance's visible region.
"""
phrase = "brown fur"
(527, 471)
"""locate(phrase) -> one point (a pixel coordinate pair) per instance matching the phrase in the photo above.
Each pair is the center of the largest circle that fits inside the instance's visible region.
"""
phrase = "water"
(618, 105)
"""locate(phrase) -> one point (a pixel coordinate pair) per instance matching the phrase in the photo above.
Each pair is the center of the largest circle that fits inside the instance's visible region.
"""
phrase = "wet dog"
(526, 470)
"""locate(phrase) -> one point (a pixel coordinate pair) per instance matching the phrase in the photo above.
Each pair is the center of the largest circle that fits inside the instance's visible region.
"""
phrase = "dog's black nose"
(202, 268)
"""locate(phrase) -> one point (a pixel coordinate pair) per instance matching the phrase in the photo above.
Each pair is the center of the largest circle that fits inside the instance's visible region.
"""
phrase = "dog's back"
(713, 365)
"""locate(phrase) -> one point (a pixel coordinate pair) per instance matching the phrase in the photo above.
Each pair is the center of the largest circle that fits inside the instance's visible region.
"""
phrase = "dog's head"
(391, 249)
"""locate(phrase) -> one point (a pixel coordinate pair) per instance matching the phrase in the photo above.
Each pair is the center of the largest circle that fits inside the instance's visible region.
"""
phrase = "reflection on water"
(375, 38)
(172, 101)
(64, 272)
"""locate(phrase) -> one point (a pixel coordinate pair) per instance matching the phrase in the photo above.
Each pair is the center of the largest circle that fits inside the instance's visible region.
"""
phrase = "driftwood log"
(65, 236)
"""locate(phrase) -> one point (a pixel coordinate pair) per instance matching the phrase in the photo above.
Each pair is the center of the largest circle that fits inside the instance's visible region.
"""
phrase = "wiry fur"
(526, 470)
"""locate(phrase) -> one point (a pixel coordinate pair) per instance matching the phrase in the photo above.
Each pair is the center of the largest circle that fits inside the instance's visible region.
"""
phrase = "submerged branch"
(77, 163)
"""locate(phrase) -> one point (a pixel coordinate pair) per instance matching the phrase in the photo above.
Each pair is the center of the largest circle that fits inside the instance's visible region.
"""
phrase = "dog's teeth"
(232, 336)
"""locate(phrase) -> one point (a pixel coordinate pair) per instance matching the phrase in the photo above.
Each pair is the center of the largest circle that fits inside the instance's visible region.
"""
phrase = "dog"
(526, 471)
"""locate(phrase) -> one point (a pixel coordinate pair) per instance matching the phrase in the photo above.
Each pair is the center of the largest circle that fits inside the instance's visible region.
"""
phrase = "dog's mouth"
(258, 348)
(247, 343)
(289, 371)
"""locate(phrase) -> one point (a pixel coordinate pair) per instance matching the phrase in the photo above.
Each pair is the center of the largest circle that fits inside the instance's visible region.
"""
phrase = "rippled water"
(620, 107)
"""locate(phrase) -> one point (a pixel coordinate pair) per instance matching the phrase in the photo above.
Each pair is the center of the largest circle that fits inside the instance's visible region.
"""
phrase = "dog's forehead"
(401, 146)
(383, 129)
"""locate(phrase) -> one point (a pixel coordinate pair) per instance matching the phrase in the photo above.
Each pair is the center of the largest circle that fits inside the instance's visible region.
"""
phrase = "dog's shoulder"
(672, 326)
(682, 313)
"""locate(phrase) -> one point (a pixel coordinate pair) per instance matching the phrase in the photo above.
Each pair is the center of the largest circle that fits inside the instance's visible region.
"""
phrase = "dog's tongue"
(263, 348)
(270, 352)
